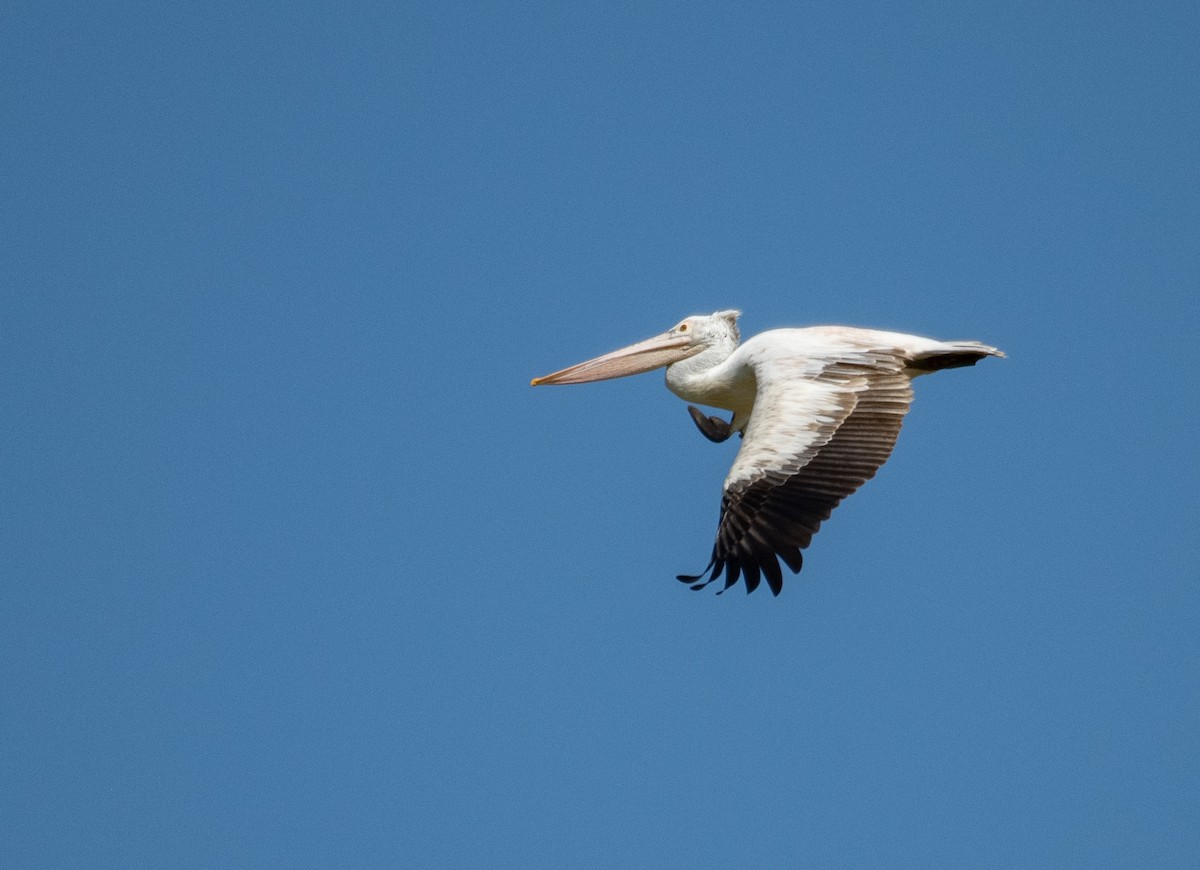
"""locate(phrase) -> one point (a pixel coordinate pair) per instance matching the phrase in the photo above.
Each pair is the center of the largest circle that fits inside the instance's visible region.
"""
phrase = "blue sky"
(299, 571)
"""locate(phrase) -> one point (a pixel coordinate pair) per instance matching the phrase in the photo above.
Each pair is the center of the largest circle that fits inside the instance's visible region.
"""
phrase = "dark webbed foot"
(713, 428)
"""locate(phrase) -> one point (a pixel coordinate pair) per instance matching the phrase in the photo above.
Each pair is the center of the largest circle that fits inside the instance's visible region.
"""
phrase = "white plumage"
(819, 408)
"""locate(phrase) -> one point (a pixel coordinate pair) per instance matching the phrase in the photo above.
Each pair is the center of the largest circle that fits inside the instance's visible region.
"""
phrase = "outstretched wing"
(820, 428)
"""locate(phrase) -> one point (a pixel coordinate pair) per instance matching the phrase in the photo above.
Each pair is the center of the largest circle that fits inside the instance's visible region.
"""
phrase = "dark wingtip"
(699, 581)
(750, 575)
(694, 578)
(792, 557)
(772, 574)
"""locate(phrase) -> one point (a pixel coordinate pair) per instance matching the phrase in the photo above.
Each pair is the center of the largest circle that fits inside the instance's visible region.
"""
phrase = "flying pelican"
(818, 410)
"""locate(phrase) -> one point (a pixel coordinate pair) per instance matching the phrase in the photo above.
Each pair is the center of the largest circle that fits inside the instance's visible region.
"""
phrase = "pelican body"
(818, 409)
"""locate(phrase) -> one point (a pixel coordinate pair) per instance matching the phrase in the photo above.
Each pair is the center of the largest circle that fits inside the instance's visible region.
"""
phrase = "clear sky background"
(299, 571)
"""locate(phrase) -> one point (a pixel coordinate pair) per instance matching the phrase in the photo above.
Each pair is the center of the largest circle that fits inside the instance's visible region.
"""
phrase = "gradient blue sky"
(299, 571)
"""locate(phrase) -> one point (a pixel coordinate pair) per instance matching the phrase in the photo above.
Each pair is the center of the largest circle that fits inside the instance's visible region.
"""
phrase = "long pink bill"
(653, 353)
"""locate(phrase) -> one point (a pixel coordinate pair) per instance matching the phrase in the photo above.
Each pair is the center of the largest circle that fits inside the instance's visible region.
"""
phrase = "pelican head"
(690, 336)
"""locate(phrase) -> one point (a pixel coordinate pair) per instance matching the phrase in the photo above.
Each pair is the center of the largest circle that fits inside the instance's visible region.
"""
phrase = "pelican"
(818, 410)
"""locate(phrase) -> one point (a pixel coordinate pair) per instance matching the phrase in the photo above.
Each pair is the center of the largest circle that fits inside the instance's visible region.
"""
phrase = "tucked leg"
(713, 428)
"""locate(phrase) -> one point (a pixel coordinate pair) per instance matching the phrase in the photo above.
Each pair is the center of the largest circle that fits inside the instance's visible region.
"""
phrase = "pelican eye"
(683, 327)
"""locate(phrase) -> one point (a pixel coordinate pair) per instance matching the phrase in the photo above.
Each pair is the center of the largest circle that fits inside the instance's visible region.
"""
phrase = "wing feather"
(818, 431)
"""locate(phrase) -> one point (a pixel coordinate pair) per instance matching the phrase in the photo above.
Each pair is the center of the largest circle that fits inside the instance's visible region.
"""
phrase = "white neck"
(707, 378)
